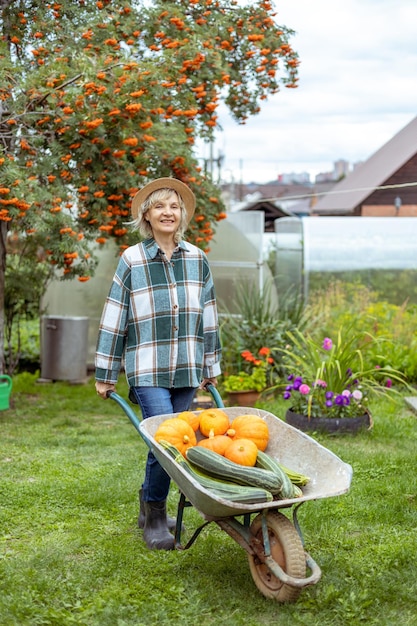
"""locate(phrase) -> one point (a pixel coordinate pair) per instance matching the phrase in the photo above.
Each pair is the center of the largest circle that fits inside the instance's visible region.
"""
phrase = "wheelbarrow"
(279, 564)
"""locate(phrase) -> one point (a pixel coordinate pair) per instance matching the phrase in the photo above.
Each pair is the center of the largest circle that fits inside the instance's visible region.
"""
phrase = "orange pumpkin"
(177, 432)
(242, 451)
(250, 427)
(217, 443)
(214, 420)
(192, 418)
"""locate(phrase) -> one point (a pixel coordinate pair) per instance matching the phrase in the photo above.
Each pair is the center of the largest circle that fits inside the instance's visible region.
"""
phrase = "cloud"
(357, 89)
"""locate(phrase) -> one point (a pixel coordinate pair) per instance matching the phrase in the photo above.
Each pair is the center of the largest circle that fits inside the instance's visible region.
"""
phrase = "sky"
(357, 89)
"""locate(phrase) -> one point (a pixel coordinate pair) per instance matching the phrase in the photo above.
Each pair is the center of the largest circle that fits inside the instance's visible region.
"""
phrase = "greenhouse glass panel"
(236, 257)
(378, 252)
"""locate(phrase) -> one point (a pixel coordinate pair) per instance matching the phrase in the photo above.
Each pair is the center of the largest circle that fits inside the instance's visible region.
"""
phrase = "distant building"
(302, 178)
(277, 200)
(341, 168)
(385, 185)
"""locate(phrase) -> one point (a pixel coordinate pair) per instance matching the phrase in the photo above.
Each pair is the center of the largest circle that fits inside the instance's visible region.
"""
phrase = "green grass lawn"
(71, 553)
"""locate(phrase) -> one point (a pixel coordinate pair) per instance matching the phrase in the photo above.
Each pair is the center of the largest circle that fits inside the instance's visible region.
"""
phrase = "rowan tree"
(97, 98)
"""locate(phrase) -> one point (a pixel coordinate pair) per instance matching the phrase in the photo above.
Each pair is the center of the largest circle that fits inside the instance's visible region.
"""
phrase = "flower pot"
(243, 398)
(329, 424)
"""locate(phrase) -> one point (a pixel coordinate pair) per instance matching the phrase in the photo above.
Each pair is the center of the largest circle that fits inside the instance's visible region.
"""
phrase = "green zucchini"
(219, 488)
(298, 493)
(295, 477)
(266, 462)
(219, 467)
(243, 494)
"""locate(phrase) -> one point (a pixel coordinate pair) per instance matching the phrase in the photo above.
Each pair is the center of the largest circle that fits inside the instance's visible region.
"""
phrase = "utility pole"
(211, 161)
(240, 179)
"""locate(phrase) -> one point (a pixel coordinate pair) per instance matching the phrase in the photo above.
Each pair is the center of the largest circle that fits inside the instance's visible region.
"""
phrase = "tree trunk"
(3, 238)
(4, 4)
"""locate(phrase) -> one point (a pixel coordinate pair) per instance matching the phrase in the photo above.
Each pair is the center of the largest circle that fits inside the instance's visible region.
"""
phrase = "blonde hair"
(144, 227)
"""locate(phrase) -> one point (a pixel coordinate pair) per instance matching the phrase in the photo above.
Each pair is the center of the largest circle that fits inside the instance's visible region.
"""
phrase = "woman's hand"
(208, 381)
(104, 388)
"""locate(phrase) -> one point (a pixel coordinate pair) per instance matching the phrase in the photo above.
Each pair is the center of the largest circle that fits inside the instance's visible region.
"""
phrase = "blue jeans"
(160, 401)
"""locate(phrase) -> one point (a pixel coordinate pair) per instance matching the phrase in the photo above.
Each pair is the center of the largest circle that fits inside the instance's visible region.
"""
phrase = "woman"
(161, 318)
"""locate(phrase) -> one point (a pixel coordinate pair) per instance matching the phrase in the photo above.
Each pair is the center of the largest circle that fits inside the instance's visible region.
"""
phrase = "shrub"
(262, 321)
(352, 304)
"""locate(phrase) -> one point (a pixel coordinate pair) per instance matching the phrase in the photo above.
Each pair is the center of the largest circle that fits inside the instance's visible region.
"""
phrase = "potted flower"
(245, 387)
(329, 384)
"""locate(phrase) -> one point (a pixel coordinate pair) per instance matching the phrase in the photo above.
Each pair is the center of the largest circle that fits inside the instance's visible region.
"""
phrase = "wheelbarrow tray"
(329, 475)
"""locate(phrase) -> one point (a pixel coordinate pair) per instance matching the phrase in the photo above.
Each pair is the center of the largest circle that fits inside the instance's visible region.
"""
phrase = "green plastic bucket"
(5, 391)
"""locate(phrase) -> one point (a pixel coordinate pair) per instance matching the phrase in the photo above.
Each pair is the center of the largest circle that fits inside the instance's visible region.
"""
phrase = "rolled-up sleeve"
(212, 348)
(113, 326)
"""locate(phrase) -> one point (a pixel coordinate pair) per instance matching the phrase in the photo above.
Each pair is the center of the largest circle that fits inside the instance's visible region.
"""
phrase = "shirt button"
(175, 306)
(175, 327)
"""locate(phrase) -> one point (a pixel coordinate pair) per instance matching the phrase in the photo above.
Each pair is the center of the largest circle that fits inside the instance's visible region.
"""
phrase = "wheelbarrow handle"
(216, 396)
(127, 409)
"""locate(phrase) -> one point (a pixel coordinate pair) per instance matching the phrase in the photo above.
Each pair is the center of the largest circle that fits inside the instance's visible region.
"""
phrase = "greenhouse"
(378, 252)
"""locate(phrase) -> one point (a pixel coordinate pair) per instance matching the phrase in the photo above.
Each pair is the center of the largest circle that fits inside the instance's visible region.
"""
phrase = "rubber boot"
(155, 532)
(171, 521)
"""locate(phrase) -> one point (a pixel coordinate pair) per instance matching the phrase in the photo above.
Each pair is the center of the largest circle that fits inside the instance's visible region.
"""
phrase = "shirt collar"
(152, 247)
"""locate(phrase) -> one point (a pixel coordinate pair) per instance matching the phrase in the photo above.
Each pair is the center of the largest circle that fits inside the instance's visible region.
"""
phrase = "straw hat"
(162, 183)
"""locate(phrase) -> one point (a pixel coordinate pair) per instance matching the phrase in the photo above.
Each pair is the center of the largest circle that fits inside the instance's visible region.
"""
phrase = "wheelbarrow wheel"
(286, 550)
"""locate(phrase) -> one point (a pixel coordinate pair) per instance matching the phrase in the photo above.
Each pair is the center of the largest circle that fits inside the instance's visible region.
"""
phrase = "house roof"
(271, 210)
(359, 184)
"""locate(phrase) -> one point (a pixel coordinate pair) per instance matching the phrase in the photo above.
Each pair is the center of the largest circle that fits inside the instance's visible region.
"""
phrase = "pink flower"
(327, 343)
(357, 394)
(304, 389)
(388, 383)
(346, 393)
(320, 383)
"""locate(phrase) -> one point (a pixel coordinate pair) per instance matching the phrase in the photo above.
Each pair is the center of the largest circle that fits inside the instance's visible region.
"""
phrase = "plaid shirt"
(161, 317)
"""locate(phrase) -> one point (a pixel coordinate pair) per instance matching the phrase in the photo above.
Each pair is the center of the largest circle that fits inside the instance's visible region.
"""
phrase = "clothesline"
(342, 191)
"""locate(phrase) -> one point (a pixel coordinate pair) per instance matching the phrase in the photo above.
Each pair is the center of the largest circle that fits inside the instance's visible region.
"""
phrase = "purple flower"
(327, 343)
(388, 383)
(287, 395)
(329, 395)
(290, 377)
(298, 381)
(329, 403)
